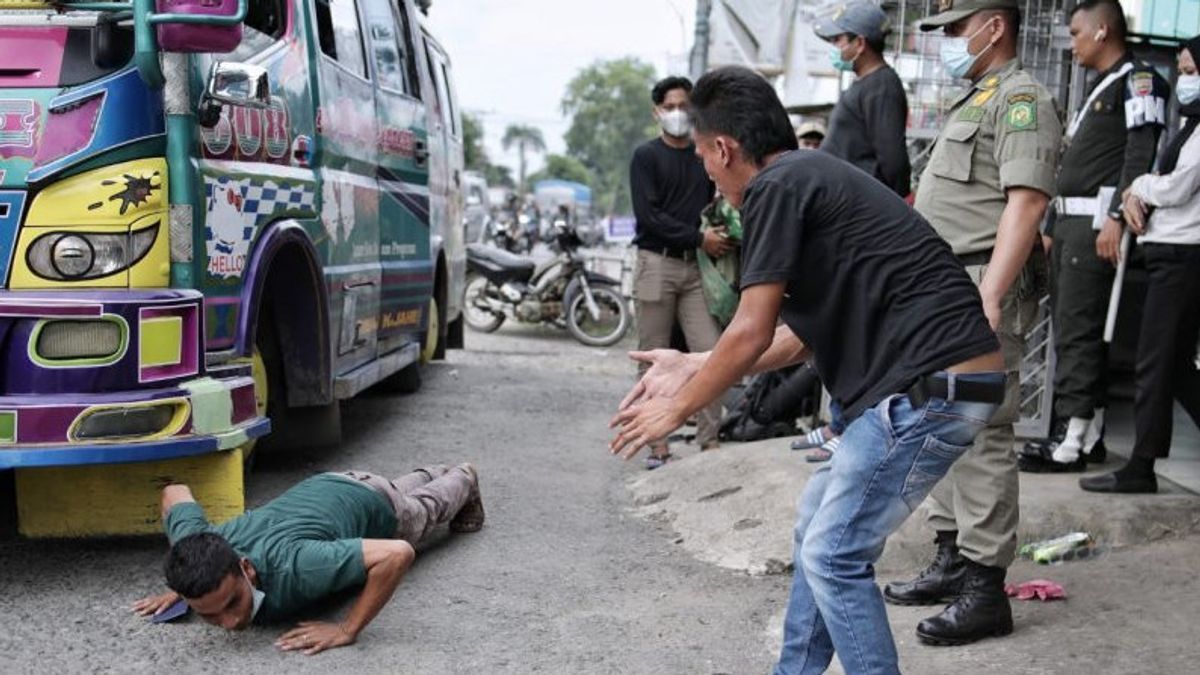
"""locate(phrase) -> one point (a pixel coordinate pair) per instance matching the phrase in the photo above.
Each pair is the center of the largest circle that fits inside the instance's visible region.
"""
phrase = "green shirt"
(1002, 132)
(305, 544)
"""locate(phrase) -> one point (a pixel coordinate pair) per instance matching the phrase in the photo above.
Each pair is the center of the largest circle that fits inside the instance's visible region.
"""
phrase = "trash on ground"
(1038, 588)
(1073, 545)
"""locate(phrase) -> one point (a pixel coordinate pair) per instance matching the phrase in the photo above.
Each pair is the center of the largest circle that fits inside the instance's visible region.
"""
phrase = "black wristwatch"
(1117, 215)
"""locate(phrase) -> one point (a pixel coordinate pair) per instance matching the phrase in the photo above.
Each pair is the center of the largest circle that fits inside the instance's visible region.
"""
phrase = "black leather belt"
(684, 255)
(979, 258)
(938, 386)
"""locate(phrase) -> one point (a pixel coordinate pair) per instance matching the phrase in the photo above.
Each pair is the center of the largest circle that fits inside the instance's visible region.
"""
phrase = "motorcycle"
(559, 291)
(510, 233)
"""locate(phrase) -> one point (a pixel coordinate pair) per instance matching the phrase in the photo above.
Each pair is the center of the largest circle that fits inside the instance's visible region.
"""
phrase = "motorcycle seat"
(499, 260)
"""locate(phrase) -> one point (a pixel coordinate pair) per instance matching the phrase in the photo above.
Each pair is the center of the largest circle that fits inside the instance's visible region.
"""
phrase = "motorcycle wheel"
(609, 328)
(479, 318)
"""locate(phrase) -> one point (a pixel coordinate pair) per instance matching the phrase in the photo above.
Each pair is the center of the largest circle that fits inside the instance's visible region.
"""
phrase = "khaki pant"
(668, 289)
(422, 499)
(978, 496)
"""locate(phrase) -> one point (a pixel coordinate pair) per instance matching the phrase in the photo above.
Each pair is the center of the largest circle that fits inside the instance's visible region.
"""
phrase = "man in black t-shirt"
(669, 190)
(896, 329)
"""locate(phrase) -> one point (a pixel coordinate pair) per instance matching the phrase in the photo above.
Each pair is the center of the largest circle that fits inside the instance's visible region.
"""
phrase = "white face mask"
(675, 123)
(256, 596)
(1187, 88)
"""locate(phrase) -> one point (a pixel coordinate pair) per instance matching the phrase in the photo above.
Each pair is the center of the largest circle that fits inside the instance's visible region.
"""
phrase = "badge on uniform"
(1022, 112)
(1142, 83)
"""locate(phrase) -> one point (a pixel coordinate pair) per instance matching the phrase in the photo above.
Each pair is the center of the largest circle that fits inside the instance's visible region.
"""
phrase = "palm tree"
(525, 138)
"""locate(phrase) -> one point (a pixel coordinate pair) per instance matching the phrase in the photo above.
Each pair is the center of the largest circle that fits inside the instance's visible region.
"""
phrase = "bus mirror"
(239, 84)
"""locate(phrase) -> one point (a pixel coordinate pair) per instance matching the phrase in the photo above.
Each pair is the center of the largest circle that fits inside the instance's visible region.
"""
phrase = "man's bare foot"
(470, 517)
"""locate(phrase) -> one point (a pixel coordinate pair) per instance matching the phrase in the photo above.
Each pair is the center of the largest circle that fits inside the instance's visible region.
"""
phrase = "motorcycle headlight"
(72, 256)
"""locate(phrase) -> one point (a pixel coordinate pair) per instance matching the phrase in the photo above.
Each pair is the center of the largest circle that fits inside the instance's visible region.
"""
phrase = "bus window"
(340, 34)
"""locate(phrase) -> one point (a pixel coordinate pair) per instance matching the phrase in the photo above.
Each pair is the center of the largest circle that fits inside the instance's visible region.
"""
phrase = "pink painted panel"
(31, 57)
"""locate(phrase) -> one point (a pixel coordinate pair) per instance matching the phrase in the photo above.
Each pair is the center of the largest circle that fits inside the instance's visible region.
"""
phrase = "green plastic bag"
(719, 276)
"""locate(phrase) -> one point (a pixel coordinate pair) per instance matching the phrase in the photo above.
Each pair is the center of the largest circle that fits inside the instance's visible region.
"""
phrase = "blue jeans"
(889, 460)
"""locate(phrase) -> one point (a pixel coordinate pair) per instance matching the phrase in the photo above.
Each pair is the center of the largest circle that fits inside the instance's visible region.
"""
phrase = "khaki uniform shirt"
(1002, 132)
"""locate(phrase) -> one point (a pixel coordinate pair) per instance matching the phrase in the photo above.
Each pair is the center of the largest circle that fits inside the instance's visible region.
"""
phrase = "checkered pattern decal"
(266, 198)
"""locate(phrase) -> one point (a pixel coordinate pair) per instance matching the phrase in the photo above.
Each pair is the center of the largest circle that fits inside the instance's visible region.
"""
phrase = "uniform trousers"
(1082, 286)
(978, 496)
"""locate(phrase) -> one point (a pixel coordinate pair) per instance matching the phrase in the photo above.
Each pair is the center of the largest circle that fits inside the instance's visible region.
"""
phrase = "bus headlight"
(72, 256)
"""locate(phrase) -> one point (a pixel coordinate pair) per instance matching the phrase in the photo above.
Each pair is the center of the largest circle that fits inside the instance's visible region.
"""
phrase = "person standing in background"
(1169, 237)
(868, 123)
(1111, 140)
(670, 188)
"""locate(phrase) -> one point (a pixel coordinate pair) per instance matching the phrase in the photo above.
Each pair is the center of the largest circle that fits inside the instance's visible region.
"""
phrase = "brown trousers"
(422, 499)
(668, 289)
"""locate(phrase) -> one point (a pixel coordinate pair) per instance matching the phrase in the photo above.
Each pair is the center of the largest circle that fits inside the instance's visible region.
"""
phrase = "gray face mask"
(256, 596)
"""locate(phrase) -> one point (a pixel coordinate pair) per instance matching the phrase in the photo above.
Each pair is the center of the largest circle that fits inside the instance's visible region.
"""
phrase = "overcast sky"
(513, 58)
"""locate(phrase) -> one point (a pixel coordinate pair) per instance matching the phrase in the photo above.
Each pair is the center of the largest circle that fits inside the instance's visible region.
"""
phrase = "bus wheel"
(432, 333)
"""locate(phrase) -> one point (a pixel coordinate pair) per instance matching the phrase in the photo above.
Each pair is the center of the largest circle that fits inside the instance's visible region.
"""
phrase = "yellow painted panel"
(111, 195)
(151, 271)
(154, 269)
(161, 341)
(113, 499)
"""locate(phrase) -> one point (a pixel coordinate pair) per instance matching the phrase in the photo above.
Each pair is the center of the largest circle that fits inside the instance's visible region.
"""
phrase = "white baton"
(1114, 299)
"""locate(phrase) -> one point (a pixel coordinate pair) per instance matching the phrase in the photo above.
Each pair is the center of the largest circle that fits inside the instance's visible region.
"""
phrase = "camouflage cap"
(950, 11)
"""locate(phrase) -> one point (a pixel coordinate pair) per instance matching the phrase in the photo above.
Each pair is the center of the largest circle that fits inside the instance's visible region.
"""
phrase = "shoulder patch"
(1141, 83)
(1022, 112)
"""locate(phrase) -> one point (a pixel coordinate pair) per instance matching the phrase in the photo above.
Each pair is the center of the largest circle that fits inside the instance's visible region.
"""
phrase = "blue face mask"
(957, 58)
(1187, 88)
(835, 57)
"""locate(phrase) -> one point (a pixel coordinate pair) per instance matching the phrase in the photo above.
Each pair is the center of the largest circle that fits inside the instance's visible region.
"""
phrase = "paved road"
(560, 580)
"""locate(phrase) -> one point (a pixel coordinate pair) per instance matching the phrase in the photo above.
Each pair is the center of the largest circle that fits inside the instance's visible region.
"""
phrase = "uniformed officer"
(986, 189)
(1111, 141)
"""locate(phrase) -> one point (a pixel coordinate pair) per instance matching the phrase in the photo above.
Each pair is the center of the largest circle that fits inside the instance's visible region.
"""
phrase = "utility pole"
(699, 57)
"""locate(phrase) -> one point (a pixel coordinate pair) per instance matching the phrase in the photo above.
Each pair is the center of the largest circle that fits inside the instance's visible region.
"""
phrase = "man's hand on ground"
(669, 371)
(644, 423)
(155, 604)
(313, 637)
(716, 243)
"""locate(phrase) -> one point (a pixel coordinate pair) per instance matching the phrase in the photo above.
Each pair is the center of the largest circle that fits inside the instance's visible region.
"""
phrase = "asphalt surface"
(560, 580)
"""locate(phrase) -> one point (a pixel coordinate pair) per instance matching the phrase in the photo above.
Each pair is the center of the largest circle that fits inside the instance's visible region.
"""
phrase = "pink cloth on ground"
(1038, 588)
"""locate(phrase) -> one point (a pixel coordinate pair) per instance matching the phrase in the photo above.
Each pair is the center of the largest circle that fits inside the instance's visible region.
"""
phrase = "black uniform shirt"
(1119, 134)
(669, 188)
(871, 287)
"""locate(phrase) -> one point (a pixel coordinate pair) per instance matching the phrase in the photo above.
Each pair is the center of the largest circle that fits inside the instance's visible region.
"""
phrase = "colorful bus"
(217, 218)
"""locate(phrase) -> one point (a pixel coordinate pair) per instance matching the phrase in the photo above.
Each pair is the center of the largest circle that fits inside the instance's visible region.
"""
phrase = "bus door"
(403, 175)
(348, 134)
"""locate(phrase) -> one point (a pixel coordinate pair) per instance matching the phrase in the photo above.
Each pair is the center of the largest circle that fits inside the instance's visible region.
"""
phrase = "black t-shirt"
(669, 188)
(867, 129)
(871, 287)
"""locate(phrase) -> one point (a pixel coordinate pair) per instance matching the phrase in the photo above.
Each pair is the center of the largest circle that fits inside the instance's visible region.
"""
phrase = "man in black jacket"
(670, 189)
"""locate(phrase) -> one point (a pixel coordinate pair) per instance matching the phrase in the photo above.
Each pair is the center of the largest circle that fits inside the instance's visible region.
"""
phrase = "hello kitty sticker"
(234, 209)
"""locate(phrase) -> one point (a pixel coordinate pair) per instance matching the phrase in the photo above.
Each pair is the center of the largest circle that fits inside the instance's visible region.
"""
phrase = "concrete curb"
(735, 508)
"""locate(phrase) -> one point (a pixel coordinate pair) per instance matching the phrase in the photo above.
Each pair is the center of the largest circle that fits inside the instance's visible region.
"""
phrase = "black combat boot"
(981, 610)
(939, 582)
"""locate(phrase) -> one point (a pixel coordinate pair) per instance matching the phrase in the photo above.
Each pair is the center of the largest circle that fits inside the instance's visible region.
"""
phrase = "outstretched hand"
(644, 423)
(669, 370)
